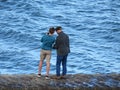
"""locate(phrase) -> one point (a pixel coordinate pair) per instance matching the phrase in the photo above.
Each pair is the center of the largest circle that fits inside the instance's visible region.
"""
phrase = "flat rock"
(70, 82)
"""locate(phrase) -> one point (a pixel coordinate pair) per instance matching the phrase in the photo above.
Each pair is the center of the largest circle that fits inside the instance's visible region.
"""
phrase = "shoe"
(63, 77)
(58, 77)
(47, 77)
(39, 75)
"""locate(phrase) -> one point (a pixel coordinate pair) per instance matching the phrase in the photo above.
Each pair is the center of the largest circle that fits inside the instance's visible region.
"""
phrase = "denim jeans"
(61, 60)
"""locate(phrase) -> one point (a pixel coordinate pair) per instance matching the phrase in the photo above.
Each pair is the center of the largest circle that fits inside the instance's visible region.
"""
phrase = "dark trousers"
(61, 60)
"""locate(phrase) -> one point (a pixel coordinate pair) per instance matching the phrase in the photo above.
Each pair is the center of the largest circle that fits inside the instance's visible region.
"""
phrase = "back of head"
(51, 30)
(58, 28)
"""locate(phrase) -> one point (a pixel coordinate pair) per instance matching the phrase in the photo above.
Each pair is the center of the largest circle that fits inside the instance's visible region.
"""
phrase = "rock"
(70, 82)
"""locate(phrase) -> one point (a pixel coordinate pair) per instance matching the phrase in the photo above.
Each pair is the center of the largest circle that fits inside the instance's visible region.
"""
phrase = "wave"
(19, 37)
(93, 28)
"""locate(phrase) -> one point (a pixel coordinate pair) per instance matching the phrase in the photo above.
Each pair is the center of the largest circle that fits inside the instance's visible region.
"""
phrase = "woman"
(46, 48)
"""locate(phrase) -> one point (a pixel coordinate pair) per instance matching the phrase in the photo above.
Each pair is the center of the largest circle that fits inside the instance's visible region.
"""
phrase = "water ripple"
(93, 27)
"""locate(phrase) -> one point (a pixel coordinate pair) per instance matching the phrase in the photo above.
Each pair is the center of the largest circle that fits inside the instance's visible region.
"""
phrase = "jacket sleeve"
(55, 46)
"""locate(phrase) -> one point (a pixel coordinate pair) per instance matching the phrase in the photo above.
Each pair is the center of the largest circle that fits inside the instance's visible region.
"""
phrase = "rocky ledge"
(71, 82)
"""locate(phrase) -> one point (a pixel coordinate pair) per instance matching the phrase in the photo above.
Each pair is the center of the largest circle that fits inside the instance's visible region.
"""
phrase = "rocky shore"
(71, 82)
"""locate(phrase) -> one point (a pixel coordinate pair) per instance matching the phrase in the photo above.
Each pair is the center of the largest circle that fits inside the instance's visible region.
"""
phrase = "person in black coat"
(63, 48)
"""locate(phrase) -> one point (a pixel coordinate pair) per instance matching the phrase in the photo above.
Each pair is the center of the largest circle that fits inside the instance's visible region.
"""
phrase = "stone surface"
(70, 82)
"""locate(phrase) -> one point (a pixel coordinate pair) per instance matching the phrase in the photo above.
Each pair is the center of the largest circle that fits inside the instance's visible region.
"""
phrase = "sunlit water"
(92, 25)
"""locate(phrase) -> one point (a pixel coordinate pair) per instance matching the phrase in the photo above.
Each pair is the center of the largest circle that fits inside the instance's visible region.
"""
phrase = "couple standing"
(61, 44)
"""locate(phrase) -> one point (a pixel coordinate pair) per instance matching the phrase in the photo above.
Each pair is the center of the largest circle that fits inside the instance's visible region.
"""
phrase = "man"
(47, 42)
(63, 48)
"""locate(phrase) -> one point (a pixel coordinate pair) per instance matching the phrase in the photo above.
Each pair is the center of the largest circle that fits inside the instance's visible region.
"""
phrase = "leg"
(58, 63)
(47, 68)
(42, 57)
(64, 62)
(40, 67)
(48, 57)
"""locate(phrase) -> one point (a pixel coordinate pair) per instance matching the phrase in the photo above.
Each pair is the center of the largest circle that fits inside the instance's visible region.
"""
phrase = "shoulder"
(53, 37)
(64, 34)
(43, 36)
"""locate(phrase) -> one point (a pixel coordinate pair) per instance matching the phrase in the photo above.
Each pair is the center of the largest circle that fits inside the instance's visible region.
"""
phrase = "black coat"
(62, 44)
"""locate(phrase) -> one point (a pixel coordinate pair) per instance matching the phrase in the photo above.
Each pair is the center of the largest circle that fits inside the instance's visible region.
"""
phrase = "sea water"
(93, 27)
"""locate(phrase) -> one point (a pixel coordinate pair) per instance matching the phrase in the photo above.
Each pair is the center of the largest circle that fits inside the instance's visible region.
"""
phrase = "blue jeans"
(63, 60)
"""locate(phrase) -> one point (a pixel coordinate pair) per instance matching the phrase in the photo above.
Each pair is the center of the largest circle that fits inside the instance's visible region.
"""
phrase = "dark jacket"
(62, 44)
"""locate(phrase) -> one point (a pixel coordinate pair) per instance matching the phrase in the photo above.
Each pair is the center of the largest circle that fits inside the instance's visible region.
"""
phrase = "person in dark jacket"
(63, 48)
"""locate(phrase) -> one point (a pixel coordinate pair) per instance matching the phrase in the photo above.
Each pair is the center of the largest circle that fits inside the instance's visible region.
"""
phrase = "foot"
(58, 77)
(63, 77)
(39, 75)
(47, 77)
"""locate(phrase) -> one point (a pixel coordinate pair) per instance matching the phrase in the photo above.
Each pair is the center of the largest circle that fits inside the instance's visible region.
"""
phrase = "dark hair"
(58, 28)
(51, 30)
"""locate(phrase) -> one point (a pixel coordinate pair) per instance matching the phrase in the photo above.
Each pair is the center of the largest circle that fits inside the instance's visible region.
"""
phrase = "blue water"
(92, 25)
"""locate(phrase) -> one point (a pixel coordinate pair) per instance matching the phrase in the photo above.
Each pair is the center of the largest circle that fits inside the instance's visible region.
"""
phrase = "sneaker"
(39, 75)
(47, 77)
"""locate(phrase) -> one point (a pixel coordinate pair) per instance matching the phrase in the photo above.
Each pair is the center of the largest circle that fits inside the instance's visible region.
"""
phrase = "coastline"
(72, 82)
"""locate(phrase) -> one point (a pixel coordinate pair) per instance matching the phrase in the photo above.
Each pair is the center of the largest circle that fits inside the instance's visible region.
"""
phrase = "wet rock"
(72, 82)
